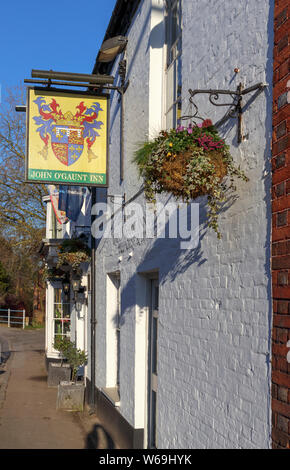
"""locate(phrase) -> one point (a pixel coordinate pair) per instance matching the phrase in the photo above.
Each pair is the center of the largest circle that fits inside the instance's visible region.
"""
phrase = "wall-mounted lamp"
(107, 53)
(66, 287)
(76, 284)
(111, 48)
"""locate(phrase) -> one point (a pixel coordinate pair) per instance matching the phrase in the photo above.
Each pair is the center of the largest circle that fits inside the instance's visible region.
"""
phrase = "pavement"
(28, 415)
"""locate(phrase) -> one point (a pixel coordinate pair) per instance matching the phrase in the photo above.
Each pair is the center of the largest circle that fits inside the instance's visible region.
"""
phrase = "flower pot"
(70, 396)
(57, 373)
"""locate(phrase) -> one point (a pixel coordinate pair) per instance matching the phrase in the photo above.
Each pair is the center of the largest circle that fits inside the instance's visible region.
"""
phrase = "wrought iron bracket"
(236, 107)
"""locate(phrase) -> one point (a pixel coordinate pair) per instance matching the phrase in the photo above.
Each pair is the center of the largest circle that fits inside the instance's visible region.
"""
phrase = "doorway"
(152, 401)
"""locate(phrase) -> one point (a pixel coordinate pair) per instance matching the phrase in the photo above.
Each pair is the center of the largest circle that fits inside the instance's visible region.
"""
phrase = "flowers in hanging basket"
(72, 259)
(53, 274)
(189, 162)
(72, 253)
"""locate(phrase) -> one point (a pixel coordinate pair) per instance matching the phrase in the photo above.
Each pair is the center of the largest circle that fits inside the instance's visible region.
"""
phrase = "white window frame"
(173, 65)
(62, 319)
(113, 316)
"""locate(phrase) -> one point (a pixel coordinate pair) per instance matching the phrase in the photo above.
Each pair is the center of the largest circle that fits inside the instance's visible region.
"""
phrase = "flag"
(54, 197)
(62, 199)
(71, 199)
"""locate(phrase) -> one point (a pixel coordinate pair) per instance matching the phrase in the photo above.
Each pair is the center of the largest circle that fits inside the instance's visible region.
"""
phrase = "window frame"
(64, 317)
(173, 64)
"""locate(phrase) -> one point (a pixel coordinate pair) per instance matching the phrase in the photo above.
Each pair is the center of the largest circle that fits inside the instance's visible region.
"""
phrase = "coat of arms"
(68, 133)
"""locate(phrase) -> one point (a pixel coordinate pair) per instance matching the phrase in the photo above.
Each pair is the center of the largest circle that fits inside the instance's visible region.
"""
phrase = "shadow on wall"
(166, 256)
(268, 185)
(99, 438)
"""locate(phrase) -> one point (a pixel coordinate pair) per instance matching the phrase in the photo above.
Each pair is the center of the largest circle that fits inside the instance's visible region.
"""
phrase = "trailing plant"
(72, 245)
(52, 274)
(73, 252)
(189, 162)
(72, 259)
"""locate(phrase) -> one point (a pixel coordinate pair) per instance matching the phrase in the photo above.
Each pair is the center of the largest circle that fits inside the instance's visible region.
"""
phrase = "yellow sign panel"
(67, 138)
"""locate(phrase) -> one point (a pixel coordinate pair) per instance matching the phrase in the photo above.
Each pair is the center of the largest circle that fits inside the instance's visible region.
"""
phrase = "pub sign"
(67, 138)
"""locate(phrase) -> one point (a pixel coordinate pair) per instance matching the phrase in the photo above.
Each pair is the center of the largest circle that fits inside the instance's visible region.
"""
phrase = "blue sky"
(62, 35)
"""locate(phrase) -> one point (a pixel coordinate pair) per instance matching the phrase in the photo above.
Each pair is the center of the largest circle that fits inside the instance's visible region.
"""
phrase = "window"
(173, 65)
(152, 423)
(61, 314)
(118, 315)
(113, 334)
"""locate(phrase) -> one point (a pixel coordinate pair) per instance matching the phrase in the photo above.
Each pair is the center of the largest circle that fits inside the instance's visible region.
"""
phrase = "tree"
(5, 281)
(22, 210)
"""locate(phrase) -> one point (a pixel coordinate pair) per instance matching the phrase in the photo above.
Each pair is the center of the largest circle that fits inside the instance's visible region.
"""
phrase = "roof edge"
(120, 21)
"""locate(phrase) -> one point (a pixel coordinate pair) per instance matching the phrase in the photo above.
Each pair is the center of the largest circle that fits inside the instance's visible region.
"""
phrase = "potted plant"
(70, 392)
(59, 371)
(189, 162)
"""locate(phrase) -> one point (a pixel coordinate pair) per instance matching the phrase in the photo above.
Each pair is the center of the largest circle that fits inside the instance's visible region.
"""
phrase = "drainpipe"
(93, 308)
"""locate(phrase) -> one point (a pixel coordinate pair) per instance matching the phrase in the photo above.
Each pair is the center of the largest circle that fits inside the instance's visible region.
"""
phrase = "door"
(152, 366)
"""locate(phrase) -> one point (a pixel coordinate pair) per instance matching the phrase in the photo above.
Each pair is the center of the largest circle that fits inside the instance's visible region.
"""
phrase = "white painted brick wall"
(214, 318)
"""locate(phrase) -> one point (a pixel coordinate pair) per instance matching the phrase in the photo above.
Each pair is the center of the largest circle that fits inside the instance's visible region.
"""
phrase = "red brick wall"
(281, 228)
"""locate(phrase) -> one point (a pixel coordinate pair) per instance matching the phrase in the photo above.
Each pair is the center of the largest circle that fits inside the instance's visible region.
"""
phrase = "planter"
(58, 373)
(70, 396)
(172, 174)
(72, 253)
(53, 274)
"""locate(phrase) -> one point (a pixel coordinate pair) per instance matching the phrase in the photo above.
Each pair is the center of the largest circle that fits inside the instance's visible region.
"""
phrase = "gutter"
(93, 308)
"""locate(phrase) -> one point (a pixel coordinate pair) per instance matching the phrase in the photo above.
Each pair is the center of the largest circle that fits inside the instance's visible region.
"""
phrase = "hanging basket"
(72, 253)
(188, 162)
(174, 171)
(53, 274)
(70, 261)
(65, 267)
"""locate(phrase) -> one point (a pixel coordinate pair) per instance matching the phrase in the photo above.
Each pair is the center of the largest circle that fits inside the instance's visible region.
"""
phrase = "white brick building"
(65, 313)
(211, 386)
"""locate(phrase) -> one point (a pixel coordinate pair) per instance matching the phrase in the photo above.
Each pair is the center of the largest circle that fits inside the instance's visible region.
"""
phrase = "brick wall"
(280, 228)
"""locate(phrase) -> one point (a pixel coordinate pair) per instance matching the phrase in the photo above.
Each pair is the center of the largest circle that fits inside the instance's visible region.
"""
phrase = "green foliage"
(22, 209)
(52, 274)
(189, 162)
(35, 326)
(74, 245)
(73, 259)
(73, 252)
(62, 344)
(5, 280)
(76, 357)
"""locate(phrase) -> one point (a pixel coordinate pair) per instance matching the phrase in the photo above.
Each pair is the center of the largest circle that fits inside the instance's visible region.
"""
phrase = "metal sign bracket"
(236, 107)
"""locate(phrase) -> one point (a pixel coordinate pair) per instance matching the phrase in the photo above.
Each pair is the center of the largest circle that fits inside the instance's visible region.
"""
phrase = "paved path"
(28, 415)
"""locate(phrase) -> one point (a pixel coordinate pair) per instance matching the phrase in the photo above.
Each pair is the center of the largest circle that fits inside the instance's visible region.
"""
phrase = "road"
(28, 415)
